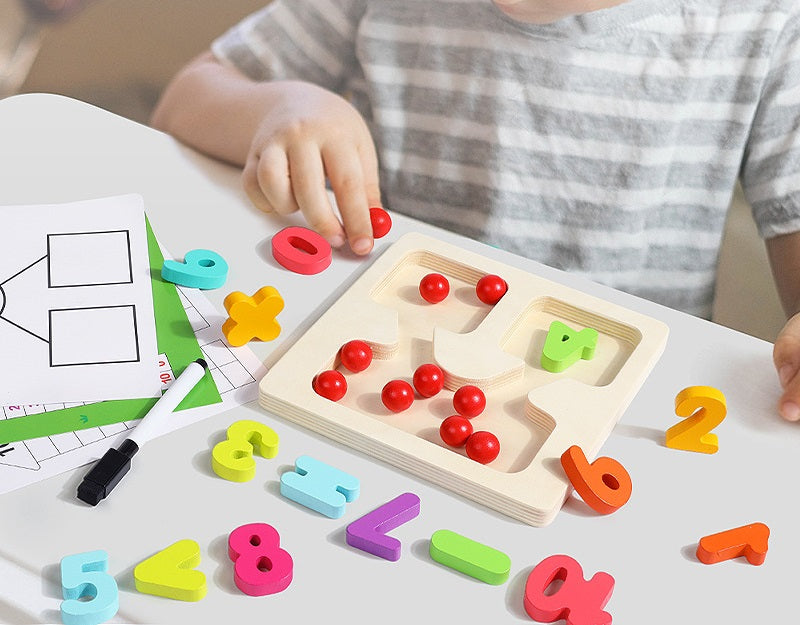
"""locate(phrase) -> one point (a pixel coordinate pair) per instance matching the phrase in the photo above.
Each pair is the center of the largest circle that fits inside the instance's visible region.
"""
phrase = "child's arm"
(290, 136)
(784, 256)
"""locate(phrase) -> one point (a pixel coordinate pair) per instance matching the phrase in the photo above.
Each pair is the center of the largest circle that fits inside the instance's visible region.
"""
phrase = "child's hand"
(310, 135)
(786, 355)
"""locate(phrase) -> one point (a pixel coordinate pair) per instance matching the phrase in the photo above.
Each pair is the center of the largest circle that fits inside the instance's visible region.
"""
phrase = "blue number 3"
(84, 575)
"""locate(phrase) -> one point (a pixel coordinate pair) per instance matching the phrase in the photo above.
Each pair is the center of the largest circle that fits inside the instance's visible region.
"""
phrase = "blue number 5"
(84, 575)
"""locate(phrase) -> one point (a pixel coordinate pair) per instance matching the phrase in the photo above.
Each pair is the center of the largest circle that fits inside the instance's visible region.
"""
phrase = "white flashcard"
(76, 303)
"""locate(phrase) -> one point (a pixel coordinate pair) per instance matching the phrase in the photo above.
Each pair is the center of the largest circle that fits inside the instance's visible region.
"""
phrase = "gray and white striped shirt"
(606, 144)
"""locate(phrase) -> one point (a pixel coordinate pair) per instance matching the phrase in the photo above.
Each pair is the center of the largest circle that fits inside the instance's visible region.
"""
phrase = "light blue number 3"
(83, 575)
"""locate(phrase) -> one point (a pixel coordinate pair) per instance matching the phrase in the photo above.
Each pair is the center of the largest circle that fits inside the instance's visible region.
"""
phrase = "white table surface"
(53, 149)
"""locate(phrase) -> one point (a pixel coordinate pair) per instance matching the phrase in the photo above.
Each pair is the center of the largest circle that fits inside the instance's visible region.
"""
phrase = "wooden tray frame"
(578, 406)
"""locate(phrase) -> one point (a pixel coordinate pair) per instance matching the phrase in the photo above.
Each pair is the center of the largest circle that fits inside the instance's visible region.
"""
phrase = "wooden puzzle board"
(535, 414)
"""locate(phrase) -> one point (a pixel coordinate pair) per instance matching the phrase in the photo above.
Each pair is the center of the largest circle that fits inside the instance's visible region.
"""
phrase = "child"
(603, 137)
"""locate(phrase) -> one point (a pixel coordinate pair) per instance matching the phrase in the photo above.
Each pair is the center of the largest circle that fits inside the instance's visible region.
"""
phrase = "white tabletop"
(54, 149)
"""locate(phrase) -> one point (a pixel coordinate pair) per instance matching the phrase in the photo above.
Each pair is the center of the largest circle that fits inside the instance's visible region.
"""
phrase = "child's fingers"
(275, 180)
(345, 171)
(308, 186)
(786, 356)
(789, 405)
(369, 165)
(251, 186)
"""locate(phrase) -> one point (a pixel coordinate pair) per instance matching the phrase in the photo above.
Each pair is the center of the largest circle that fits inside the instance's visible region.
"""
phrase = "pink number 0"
(261, 566)
(301, 250)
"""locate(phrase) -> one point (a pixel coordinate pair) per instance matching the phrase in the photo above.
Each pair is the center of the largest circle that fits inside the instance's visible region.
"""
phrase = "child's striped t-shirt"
(607, 144)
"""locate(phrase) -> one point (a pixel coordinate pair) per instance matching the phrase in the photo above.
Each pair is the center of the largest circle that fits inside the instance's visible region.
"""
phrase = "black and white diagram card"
(76, 302)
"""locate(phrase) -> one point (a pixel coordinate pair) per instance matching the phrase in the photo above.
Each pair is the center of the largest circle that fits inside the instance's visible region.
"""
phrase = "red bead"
(356, 355)
(434, 288)
(397, 395)
(330, 384)
(483, 447)
(428, 380)
(469, 401)
(455, 430)
(381, 222)
(490, 289)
